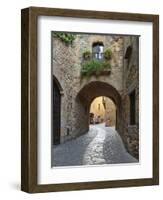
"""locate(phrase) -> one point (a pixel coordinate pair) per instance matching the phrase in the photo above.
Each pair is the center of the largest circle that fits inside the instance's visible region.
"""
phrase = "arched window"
(98, 50)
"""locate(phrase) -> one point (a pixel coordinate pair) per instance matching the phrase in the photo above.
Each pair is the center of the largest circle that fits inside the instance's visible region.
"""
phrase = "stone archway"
(95, 89)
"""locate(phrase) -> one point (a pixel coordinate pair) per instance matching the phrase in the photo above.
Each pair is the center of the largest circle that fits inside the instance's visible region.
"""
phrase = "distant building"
(106, 109)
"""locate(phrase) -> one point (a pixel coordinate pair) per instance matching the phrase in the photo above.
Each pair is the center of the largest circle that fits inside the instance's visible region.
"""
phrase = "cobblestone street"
(101, 145)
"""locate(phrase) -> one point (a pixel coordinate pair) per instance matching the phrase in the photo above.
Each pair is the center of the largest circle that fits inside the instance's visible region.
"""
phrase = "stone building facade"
(110, 114)
(77, 92)
(131, 95)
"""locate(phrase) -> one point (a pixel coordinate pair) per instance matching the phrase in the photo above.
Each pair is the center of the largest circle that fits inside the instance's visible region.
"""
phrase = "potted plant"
(95, 67)
(87, 55)
(108, 54)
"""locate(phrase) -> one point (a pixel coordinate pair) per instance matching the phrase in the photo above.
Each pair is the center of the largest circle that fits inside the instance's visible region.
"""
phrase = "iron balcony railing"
(96, 56)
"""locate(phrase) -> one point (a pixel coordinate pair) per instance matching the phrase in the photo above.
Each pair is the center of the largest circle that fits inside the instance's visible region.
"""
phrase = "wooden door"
(56, 113)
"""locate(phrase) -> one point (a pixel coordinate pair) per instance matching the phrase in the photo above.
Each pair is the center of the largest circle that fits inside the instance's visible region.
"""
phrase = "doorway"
(56, 112)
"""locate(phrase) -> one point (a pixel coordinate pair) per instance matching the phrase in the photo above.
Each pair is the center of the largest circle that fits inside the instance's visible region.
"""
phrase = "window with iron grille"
(98, 50)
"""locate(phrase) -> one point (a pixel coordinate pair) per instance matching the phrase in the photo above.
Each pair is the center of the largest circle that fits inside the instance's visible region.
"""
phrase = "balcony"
(95, 64)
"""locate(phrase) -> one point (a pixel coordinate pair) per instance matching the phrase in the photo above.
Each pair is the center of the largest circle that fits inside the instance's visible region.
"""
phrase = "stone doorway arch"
(95, 89)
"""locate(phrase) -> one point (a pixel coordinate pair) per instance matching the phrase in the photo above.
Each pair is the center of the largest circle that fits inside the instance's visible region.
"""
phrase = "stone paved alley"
(101, 145)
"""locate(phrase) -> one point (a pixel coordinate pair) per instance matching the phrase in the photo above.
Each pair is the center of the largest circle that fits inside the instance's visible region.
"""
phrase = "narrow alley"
(101, 145)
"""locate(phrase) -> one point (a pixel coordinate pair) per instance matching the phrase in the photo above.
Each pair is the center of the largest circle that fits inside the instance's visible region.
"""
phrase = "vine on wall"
(67, 38)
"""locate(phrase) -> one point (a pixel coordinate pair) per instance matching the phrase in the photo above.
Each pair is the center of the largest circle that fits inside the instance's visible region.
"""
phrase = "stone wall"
(131, 83)
(110, 113)
(116, 45)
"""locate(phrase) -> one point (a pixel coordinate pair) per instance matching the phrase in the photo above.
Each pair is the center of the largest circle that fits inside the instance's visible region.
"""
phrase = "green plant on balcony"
(108, 54)
(95, 67)
(87, 55)
(67, 38)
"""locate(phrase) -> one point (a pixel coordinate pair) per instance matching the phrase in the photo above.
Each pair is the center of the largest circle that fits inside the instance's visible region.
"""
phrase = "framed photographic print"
(90, 99)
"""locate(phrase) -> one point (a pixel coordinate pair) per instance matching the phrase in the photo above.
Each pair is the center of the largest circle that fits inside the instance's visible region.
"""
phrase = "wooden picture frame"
(29, 115)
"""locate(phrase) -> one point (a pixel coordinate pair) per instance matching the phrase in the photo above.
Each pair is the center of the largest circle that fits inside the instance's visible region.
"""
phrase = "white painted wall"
(10, 98)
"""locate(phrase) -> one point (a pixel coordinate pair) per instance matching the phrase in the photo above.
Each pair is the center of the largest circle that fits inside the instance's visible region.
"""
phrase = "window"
(132, 108)
(98, 50)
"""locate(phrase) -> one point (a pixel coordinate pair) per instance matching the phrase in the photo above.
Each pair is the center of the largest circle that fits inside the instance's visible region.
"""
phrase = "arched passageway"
(100, 144)
(95, 89)
(97, 143)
